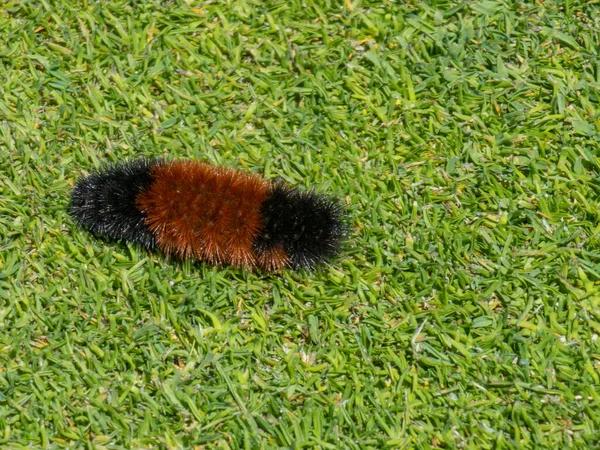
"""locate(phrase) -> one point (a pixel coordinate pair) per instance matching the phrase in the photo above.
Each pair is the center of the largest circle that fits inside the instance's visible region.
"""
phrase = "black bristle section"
(104, 202)
(309, 226)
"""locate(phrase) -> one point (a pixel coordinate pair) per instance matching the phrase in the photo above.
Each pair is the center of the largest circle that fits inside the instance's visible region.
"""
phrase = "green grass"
(464, 138)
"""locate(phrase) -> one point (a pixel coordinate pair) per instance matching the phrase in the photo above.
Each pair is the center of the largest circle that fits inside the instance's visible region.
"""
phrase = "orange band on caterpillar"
(209, 213)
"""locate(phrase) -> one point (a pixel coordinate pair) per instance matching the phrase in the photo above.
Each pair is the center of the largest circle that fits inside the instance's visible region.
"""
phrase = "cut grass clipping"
(463, 137)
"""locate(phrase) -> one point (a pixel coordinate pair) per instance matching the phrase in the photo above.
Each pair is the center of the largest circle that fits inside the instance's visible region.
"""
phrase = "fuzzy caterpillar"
(196, 210)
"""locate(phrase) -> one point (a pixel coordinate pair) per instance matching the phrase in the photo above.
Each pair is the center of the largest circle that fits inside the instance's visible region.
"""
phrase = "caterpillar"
(199, 211)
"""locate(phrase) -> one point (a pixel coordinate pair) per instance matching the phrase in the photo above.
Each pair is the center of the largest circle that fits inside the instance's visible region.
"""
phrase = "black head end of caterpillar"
(104, 202)
(308, 226)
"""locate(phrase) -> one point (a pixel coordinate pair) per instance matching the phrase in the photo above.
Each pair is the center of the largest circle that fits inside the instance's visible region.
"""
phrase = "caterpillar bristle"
(215, 214)
(104, 202)
(305, 226)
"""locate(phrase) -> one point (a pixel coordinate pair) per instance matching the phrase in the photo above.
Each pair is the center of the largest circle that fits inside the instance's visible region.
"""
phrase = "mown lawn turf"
(464, 138)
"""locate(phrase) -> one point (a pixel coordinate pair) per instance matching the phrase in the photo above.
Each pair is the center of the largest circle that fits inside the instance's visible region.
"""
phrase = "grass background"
(463, 136)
